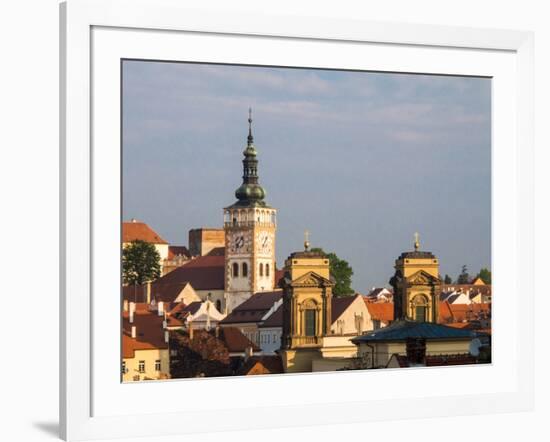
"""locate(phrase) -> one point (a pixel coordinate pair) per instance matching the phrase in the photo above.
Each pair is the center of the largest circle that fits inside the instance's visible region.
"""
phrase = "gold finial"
(416, 241)
(306, 241)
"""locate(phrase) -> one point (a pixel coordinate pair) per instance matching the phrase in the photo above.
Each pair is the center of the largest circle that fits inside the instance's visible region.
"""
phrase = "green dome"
(250, 192)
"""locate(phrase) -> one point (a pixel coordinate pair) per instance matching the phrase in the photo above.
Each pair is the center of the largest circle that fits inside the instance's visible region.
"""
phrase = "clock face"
(239, 243)
(264, 242)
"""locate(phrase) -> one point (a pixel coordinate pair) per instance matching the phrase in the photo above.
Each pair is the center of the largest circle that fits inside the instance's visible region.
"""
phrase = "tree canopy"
(464, 277)
(140, 262)
(341, 271)
(201, 355)
(448, 279)
(485, 275)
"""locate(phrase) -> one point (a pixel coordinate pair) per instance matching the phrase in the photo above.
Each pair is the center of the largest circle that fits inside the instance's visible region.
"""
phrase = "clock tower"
(249, 226)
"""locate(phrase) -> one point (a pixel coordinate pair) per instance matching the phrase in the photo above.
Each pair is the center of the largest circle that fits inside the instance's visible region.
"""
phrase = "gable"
(311, 279)
(422, 278)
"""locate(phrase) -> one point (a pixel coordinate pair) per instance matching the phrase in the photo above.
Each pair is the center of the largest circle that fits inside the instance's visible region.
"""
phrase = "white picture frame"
(94, 34)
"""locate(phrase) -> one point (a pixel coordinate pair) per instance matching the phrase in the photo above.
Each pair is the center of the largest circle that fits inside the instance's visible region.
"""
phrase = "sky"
(362, 160)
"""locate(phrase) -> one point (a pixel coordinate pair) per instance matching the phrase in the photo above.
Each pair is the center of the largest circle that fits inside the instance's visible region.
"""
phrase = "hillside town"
(221, 306)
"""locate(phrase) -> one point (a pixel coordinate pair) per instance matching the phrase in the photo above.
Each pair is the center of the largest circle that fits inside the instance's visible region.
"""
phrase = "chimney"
(161, 308)
(217, 331)
(134, 331)
(190, 331)
(416, 351)
(248, 352)
(166, 336)
(148, 292)
(132, 311)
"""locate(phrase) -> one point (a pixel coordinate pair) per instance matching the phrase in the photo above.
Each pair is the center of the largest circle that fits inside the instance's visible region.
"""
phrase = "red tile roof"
(149, 332)
(262, 365)
(462, 312)
(135, 230)
(204, 273)
(235, 341)
(380, 311)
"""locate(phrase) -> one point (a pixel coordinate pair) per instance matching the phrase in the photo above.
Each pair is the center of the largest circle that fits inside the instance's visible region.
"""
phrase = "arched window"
(245, 269)
(310, 322)
(420, 308)
(267, 270)
(235, 270)
(219, 305)
(261, 269)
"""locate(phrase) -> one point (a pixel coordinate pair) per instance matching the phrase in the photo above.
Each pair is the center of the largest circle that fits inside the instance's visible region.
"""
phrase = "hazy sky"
(362, 160)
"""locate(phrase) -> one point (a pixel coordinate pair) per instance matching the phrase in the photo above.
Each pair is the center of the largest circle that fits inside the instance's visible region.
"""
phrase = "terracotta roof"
(149, 332)
(160, 291)
(254, 308)
(235, 341)
(380, 311)
(204, 273)
(462, 312)
(339, 306)
(132, 231)
(174, 251)
(262, 365)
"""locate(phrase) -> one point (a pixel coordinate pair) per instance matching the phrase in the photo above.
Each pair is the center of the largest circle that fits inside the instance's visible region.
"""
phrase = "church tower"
(416, 285)
(307, 309)
(249, 226)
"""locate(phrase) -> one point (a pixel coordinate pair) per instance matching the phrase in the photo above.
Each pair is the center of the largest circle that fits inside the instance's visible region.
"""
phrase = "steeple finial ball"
(416, 242)
(306, 241)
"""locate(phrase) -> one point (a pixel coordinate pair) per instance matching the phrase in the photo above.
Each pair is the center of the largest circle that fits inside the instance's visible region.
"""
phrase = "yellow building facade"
(416, 286)
(307, 304)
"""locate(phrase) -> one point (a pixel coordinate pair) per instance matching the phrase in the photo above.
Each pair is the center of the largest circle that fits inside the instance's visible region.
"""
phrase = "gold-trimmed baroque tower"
(416, 285)
(249, 226)
(307, 309)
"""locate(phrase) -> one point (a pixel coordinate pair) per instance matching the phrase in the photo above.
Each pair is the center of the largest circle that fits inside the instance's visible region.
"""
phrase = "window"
(235, 270)
(219, 305)
(123, 367)
(420, 313)
(141, 366)
(267, 270)
(157, 365)
(310, 322)
(261, 269)
(245, 269)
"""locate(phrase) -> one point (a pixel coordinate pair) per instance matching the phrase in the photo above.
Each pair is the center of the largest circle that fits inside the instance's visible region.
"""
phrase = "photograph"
(294, 220)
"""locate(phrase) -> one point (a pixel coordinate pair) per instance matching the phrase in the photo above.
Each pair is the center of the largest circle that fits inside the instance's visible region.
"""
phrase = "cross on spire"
(250, 137)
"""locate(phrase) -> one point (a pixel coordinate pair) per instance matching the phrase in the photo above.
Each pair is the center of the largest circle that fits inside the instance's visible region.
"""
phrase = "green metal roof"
(405, 329)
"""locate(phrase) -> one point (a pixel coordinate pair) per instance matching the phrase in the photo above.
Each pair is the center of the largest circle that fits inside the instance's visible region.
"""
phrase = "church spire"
(250, 137)
(250, 193)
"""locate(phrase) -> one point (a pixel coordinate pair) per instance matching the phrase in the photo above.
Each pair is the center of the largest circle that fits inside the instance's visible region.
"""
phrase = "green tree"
(448, 279)
(341, 271)
(140, 262)
(464, 277)
(485, 275)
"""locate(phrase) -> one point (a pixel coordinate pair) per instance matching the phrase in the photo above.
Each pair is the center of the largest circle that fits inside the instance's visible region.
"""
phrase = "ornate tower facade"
(416, 286)
(307, 309)
(250, 226)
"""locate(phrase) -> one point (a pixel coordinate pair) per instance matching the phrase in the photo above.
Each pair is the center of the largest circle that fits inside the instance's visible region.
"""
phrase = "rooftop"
(135, 230)
(402, 330)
